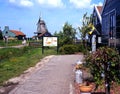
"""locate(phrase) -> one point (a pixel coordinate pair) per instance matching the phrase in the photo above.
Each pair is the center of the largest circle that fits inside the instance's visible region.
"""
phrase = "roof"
(103, 6)
(98, 10)
(17, 33)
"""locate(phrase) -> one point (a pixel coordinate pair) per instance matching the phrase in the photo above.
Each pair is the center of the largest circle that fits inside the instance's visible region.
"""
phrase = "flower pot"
(84, 88)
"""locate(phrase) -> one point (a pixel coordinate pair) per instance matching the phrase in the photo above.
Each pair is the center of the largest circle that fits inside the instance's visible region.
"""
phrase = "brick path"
(55, 77)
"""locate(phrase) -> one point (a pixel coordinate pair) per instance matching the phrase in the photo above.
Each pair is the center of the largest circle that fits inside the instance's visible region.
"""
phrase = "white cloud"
(25, 3)
(81, 3)
(51, 3)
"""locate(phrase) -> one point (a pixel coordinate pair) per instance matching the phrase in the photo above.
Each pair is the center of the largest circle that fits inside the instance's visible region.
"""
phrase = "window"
(112, 32)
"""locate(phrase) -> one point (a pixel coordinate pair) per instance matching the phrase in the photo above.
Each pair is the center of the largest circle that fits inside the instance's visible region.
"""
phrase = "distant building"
(111, 23)
(42, 29)
(13, 33)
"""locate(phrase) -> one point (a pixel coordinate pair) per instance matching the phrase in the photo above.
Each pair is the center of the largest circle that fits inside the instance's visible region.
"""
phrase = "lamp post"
(107, 77)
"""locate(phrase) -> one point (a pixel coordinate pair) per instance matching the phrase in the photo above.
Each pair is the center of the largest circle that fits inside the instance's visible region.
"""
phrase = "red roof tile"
(17, 33)
(99, 9)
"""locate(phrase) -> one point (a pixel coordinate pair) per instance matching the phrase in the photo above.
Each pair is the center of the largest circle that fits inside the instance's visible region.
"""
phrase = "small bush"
(82, 49)
(68, 49)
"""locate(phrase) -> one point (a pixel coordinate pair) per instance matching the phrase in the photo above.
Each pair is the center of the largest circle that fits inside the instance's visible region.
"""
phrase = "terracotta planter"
(84, 88)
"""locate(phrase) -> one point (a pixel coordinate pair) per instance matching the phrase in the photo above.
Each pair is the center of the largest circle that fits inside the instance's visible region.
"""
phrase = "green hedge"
(68, 49)
(72, 48)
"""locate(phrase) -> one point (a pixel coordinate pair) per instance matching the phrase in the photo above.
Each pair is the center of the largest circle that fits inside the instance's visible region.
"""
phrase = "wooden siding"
(118, 20)
(111, 11)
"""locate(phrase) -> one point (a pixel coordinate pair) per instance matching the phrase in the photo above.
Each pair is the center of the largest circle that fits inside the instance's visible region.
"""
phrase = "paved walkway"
(55, 77)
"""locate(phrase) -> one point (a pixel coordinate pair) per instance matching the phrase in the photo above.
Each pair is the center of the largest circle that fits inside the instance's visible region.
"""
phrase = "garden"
(103, 67)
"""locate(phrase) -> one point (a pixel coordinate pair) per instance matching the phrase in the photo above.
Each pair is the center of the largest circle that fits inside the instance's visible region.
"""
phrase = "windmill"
(42, 29)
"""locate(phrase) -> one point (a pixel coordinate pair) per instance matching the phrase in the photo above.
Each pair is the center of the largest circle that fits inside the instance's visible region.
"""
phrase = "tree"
(60, 34)
(68, 31)
(86, 27)
(67, 35)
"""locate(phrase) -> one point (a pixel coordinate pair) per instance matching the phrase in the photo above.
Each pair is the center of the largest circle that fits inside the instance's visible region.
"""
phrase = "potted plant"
(104, 66)
(86, 88)
(87, 85)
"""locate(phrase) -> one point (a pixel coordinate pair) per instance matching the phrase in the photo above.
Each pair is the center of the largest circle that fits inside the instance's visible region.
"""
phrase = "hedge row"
(71, 49)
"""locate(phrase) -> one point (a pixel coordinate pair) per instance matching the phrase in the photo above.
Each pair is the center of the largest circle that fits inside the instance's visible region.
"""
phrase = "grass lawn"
(10, 43)
(14, 65)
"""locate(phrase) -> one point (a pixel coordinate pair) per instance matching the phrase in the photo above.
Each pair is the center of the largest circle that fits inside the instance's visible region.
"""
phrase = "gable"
(99, 9)
(97, 12)
(6, 32)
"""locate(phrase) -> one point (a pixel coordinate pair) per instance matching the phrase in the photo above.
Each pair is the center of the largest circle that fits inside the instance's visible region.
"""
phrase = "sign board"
(50, 41)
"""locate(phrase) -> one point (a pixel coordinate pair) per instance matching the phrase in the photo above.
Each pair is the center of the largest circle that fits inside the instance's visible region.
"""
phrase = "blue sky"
(24, 14)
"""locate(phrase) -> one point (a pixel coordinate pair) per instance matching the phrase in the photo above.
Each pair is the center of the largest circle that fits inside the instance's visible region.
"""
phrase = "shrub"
(68, 49)
(102, 58)
(104, 64)
(65, 41)
(82, 49)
